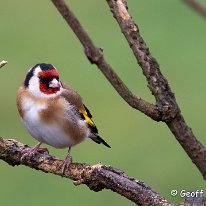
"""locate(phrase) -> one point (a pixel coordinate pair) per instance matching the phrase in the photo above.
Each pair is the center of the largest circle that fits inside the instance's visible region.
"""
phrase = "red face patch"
(45, 78)
(43, 88)
(49, 73)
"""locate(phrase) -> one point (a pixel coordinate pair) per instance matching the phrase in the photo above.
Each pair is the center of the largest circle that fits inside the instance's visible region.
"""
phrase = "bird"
(53, 112)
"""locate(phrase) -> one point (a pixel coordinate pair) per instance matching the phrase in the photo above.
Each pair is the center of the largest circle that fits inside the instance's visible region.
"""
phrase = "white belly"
(50, 134)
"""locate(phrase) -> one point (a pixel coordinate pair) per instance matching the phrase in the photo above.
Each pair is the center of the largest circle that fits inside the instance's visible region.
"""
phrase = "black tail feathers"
(96, 138)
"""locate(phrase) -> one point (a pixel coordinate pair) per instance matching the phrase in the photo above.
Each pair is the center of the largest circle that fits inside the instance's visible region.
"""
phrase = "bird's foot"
(65, 164)
(29, 152)
(42, 150)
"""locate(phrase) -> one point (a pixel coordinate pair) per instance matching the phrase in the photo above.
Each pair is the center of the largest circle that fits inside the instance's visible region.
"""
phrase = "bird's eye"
(57, 78)
(42, 78)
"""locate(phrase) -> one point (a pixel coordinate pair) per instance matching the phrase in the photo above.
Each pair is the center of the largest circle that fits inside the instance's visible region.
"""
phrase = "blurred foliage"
(34, 32)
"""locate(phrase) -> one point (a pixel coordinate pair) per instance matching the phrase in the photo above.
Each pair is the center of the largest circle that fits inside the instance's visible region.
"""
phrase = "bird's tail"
(96, 138)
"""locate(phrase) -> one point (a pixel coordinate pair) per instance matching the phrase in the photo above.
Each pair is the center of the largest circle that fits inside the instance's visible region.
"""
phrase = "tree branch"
(96, 177)
(195, 5)
(195, 201)
(2, 63)
(156, 81)
(159, 86)
(95, 56)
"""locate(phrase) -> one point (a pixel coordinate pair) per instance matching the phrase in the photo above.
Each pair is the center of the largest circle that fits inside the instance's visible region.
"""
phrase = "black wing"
(86, 115)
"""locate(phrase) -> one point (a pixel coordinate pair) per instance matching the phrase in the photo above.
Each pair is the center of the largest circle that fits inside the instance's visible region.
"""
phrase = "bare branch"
(195, 5)
(156, 81)
(96, 177)
(198, 200)
(2, 63)
(159, 86)
(95, 56)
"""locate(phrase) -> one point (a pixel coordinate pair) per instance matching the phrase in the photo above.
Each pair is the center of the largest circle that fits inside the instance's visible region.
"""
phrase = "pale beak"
(54, 83)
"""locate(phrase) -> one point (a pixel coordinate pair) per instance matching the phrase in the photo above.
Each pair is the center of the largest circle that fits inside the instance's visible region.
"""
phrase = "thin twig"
(95, 56)
(96, 177)
(2, 63)
(159, 86)
(198, 7)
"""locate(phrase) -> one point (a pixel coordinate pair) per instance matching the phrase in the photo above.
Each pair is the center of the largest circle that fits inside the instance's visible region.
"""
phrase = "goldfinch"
(53, 112)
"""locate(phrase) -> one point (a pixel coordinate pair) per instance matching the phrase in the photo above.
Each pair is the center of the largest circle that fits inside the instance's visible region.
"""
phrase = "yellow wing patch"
(89, 121)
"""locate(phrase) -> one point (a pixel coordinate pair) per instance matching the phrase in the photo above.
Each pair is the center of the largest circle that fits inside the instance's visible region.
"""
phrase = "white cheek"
(34, 86)
(34, 83)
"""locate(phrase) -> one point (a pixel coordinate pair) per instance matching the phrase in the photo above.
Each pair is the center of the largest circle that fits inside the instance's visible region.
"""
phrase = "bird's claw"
(43, 150)
(65, 164)
(29, 152)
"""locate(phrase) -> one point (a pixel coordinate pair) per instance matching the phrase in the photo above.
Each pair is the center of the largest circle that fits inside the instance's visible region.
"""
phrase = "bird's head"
(43, 80)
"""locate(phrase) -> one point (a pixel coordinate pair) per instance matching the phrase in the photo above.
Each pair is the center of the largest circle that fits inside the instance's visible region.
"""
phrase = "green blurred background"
(33, 31)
